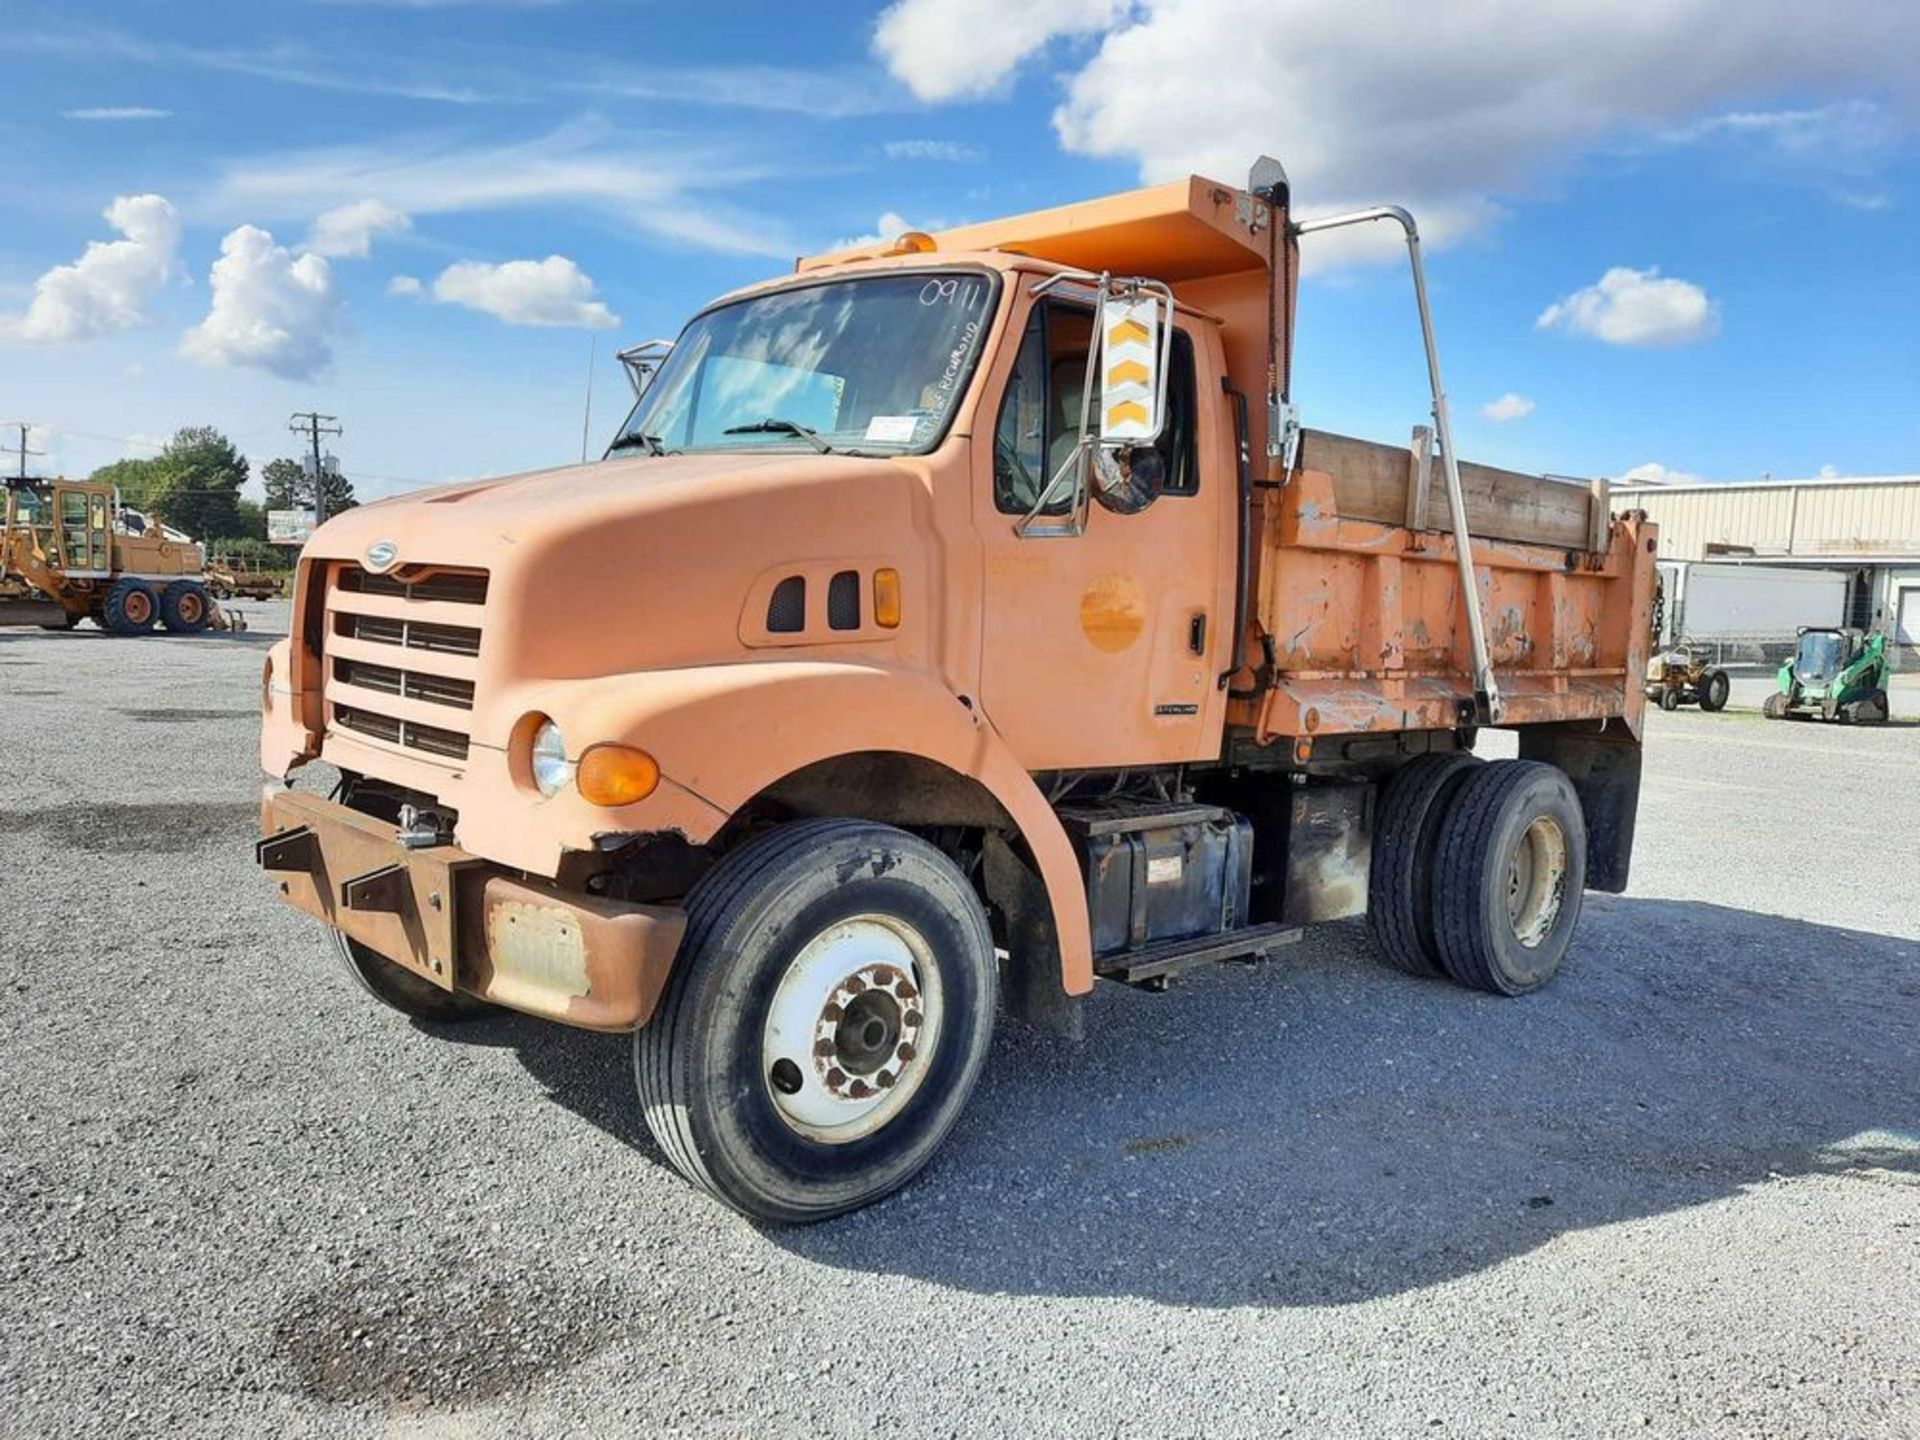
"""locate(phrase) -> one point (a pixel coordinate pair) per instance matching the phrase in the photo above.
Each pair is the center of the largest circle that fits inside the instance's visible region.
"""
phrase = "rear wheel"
(131, 608)
(1509, 877)
(400, 989)
(1714, 690)
(828, 1015)
(185, 608)
(1400, 885)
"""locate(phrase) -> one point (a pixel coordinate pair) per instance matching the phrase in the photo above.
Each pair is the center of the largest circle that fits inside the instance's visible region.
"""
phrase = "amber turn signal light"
(886, 599)
(616, 775)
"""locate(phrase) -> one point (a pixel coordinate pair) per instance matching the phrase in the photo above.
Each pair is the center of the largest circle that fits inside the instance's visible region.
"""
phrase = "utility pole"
(313, 425)
(586, 422)
(23, 451)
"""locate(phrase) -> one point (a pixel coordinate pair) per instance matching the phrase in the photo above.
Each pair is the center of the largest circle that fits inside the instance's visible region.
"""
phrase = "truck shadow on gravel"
(1324, 1131)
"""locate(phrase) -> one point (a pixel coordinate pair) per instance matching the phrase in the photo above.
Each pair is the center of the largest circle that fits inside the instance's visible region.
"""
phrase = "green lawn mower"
(1833, 675)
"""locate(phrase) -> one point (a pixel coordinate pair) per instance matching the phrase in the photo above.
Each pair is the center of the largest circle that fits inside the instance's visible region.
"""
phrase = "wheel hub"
(850, 1024)
(1537, 881)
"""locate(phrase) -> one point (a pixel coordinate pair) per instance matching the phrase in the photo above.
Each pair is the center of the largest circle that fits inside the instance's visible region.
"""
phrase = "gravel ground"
(1678, 1193)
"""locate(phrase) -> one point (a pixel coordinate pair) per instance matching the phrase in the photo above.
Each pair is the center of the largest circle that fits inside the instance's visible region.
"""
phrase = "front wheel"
(828, 1015)
(1714, 690)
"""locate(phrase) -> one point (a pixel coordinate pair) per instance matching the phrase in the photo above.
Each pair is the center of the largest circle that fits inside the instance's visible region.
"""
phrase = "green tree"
(288, 488)
(200, 491)
(253, 520)
(284, 483)
(139, 481)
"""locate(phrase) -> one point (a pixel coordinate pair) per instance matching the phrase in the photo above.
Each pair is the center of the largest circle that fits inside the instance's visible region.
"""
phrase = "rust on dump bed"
(1366, 623)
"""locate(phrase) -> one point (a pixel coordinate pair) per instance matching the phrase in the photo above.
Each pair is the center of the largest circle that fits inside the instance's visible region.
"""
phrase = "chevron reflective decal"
(1130, 358)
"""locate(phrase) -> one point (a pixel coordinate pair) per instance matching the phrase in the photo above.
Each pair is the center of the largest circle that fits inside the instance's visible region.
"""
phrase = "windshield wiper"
(772, 426)
(633, 439)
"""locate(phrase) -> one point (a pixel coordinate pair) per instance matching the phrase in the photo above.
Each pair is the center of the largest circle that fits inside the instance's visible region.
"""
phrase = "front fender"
(724, 733)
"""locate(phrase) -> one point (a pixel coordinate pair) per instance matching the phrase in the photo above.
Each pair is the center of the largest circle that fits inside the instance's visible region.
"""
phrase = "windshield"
(869, 366)
(1823, 654)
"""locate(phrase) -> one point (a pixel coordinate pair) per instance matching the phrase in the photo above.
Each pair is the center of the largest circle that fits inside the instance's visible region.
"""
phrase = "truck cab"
(958, 618)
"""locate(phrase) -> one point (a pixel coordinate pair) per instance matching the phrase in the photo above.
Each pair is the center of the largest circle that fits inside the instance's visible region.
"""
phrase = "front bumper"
(464, 924)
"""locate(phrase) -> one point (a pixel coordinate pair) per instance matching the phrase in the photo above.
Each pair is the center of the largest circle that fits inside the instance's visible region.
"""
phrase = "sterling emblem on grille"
(380, 556)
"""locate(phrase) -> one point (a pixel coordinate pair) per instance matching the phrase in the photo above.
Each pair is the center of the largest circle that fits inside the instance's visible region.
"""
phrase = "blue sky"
(1720, 203)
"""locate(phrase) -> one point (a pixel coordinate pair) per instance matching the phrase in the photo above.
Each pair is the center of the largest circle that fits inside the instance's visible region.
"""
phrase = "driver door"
(1104, 649)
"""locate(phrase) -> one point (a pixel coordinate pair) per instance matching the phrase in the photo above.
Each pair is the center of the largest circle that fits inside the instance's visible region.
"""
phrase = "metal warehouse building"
(1867, 528)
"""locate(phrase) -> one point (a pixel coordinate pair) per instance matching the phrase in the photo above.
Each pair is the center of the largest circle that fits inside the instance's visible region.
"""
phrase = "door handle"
(1197, 634)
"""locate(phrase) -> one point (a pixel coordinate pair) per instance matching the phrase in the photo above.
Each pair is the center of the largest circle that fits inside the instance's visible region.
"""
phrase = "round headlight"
(548, 759)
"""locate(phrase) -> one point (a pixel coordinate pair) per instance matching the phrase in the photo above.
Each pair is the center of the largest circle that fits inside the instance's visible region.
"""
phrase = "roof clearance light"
(913, 242)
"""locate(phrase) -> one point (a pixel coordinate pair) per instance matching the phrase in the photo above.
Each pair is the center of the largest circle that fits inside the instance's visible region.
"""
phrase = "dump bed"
(1358, 611)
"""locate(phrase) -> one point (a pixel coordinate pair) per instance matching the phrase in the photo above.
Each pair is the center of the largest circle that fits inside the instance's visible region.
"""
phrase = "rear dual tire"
(1406, 835)
(1509, 877)
(1478, 871)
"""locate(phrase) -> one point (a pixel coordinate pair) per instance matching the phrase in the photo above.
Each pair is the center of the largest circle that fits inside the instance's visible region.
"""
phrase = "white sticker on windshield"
(892, 429)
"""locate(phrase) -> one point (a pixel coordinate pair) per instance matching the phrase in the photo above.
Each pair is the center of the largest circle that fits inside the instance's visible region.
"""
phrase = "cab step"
(1155, 965)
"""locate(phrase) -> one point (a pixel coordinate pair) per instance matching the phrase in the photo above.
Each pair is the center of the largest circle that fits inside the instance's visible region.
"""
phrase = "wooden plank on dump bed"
(1370, 482)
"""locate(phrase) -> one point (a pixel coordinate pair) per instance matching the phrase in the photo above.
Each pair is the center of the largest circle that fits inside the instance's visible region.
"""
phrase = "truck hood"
(642, 562)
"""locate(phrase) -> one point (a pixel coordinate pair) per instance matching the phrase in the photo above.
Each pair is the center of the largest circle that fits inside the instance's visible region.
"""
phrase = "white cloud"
(1654, 473)
(890, 226)
(1829, 472)
(549, 292)
(405, 285)
(947, 49)
(1493, 100)
(272, 310)
(1635, 307)
(663, 189)
(347, 231)
(950, 151)
(108, 287)
(1508, 407)
(116, 112)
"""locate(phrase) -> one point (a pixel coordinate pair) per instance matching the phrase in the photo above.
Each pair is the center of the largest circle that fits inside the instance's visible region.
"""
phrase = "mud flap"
(1603, 761)
(1032, 986)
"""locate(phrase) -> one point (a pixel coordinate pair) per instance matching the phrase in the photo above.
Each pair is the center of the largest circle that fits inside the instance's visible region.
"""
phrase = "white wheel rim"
(1537, 881)
(852, 1028)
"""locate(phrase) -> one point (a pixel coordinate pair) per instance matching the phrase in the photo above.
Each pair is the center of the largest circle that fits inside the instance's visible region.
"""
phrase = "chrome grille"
(402, 666)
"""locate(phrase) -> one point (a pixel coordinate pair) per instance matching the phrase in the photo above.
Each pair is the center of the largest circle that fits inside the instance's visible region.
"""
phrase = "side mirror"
(643, 362)
(1129, 362)
(1136, 340)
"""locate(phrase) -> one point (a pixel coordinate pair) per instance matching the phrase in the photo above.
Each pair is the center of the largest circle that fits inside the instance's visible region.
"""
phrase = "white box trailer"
(1748, 605)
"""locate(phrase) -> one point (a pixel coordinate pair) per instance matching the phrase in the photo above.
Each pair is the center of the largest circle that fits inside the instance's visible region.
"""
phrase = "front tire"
(1510, 876)
(828, 1015)
(1670, 699)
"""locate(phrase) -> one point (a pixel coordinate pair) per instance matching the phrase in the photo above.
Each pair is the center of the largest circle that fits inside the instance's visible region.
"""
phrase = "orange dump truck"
(957, 621)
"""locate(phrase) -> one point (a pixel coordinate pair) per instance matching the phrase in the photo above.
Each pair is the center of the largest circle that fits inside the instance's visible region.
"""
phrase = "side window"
(1040, 412)
(1020, 435)
(1177, 444)
(73, 530)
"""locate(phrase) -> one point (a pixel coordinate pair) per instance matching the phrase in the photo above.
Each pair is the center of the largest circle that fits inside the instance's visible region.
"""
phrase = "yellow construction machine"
(70, 552)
